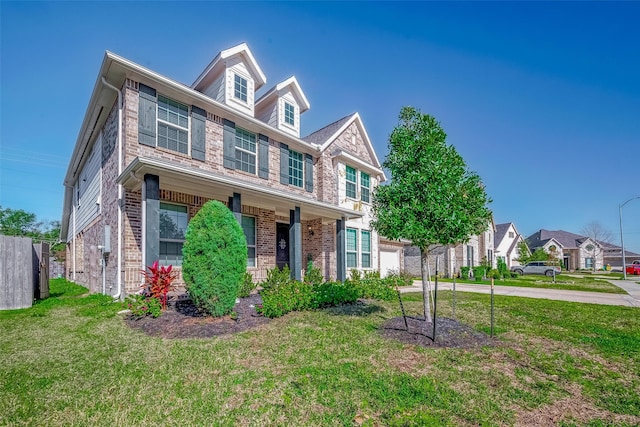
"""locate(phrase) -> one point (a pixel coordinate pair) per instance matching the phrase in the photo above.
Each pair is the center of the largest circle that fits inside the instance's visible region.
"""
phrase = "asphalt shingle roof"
(322, 135)
(501, 230)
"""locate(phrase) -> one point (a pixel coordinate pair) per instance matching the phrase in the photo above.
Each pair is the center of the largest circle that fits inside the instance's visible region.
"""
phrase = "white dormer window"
(289, 114)
(240, 88)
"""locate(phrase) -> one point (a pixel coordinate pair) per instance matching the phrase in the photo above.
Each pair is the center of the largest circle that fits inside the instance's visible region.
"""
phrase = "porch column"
(235, 205)
(341, 262)
(295, 244)
(151, 203)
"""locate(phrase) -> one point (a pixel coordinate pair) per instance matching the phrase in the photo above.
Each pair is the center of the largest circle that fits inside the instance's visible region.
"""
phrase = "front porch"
(281, 228)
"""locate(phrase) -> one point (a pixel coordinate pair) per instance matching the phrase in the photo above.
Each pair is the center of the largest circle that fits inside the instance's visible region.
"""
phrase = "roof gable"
(292, 85)
(218, 64)
(330, 133)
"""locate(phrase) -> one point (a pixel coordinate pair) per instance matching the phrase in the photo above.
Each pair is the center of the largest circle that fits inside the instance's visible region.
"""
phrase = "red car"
(634, 267)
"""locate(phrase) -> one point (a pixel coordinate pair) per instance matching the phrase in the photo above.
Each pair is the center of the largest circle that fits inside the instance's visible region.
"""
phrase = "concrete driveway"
(632, 299)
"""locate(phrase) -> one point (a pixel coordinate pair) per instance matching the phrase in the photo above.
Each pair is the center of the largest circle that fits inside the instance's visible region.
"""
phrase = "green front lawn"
(71, 360)
(564, 282)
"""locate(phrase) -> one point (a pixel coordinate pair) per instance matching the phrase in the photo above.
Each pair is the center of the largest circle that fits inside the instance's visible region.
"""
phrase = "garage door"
(389, 261)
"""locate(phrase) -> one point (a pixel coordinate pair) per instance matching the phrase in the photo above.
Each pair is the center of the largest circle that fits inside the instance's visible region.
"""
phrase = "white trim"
(241, 49)
(297, 90)
(159, 165)
(351, 159)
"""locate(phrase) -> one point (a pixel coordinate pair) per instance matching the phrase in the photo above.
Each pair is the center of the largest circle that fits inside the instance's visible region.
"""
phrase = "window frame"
(255, 242)
(300, 160)
(163, 98)
(362, 249)
(292, 113)
(349, 183)
(354, 253)
(238, 87)
(162, 261)
(241, 149)
(365, 190)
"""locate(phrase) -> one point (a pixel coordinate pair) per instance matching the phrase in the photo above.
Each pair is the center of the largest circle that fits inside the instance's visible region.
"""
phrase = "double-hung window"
(249, 228)
(365, 252)
(352, 248)
(173, 125)
(364, 187)
(296, 166)
(240, 88)
(245, 151)
(351, 182)
(289, 114)
(173, 224)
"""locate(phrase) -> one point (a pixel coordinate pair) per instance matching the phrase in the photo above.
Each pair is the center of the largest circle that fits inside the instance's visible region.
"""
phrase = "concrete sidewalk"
(632, 299)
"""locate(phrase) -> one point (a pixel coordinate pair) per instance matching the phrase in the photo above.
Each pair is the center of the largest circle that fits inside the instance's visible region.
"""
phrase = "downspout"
(74, 238)
(119, 263)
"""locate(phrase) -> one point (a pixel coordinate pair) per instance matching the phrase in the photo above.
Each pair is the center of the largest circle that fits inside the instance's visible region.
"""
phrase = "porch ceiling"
(184, 179)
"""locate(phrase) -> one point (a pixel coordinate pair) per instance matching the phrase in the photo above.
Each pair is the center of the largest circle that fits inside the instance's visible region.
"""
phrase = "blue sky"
(541, 99)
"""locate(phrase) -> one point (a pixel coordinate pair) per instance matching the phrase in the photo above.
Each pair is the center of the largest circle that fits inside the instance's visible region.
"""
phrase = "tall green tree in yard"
(433, 198)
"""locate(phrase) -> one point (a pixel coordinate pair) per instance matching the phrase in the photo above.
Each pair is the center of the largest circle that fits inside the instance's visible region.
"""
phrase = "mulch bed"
(449, 333)
(183, 320)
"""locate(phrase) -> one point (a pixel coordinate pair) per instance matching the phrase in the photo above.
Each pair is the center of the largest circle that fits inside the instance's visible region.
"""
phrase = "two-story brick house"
(151, 151)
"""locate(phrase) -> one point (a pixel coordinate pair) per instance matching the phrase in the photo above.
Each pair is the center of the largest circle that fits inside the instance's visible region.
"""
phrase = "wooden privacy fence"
(24, 272)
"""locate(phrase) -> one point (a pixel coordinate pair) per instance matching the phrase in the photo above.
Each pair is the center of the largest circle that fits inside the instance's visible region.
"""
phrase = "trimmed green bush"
(313, 275)
(464, 273)
(214, 259)
(479, 272)
(246, 286)
(283, 294)
(329, 294)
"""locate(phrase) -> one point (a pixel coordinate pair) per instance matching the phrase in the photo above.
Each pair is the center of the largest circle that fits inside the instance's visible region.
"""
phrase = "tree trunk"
(426, 283)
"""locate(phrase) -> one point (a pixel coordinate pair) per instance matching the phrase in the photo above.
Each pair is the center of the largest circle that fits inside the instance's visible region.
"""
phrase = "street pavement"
(631, 299)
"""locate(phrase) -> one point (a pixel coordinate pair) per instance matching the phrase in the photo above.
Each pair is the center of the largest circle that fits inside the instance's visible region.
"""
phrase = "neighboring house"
(612, 255)
(151, 151)
(576, 252)
(507, 243)
(450, 258)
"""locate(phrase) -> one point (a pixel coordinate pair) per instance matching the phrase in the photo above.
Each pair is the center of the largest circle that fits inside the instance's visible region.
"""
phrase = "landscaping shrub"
(334, 293)
(246, 286)
(503, 269)
(282, 296)
(158, 281)
(464, 272)
(494, 274)
(313, 275)
(479, 272)
(214, 258)
(141, 305)
(373, 288)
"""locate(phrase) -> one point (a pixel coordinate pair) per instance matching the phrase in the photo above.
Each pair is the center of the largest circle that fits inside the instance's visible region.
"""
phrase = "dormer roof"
(292, 84)
(218, 64)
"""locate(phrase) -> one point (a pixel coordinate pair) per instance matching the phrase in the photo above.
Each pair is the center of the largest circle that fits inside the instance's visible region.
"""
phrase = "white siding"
(216, 90)
(268, 113)
(237, 66)
(89, 188)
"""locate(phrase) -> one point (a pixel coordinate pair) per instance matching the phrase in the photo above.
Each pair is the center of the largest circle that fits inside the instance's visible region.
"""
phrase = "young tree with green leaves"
(433, 198)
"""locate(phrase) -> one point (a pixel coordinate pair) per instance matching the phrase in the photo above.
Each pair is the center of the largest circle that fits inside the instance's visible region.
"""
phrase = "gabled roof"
(292, 83)
(325, 136)
(218, 62)
(564, 238)
(501, 231)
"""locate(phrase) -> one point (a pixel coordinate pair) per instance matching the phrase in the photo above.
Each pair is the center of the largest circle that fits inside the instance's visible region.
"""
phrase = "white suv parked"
(537, 267)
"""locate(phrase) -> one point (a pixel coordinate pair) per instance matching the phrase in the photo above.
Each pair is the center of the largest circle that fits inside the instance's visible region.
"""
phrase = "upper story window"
(364, 187)
(173, 125)
(296, 166)
(173, 225)
(511, 235)
(240, 88)
(289, 114)
(351, 182)
(249, 228)
(245, 151)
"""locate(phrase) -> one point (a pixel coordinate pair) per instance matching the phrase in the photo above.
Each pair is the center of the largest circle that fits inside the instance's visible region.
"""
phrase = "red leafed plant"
(158, 281)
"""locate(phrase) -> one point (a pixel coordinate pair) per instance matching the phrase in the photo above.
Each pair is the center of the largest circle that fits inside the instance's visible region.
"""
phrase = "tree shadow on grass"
(359, 308)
